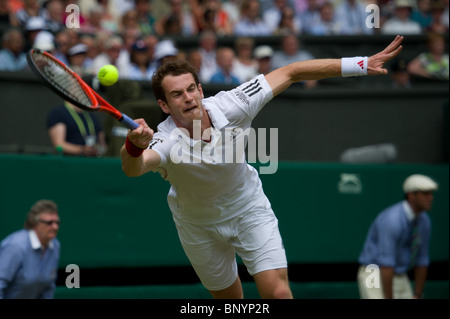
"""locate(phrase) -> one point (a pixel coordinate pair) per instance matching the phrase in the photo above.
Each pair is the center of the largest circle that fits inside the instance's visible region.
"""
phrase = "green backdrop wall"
(110, 220)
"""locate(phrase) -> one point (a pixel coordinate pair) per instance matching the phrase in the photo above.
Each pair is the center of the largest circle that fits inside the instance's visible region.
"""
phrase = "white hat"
(263, 51)
(44, 41)
(417, 182)
(403, 3)
(164, 49)
(77, 49)
(35, 24)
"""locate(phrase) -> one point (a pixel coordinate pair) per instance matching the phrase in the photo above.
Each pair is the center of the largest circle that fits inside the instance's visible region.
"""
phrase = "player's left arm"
(280, 79)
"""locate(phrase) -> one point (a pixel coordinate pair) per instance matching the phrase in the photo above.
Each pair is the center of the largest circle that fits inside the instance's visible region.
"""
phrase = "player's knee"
(280, 291)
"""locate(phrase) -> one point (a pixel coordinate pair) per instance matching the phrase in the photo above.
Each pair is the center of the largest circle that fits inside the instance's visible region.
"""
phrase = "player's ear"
(201, 90)
(163, 106)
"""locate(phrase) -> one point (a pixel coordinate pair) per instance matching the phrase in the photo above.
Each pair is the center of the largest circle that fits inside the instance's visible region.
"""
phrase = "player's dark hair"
(41, 206)
(171, 68)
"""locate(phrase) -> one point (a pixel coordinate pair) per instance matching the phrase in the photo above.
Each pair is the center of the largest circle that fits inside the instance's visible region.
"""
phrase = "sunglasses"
(50, 222)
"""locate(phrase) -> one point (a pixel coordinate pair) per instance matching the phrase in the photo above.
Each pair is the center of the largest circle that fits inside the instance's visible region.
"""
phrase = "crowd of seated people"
(137, 35)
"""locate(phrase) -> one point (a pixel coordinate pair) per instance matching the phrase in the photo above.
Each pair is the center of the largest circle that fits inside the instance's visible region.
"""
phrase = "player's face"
(184, 99)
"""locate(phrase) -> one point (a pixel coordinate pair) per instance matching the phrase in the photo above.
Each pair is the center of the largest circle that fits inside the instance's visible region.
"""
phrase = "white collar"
(35, 242)
(408, 211)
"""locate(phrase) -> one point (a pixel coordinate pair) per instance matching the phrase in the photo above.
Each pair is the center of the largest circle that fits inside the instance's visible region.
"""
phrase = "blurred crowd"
(138, 35)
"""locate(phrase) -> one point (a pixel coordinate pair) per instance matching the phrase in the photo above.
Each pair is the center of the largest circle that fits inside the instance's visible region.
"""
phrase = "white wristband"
(356, 66)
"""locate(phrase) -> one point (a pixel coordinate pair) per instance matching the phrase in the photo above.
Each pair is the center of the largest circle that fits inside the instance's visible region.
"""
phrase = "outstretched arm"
(280, 79)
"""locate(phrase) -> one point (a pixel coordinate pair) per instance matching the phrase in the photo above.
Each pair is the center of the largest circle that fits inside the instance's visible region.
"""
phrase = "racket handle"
(129, 122)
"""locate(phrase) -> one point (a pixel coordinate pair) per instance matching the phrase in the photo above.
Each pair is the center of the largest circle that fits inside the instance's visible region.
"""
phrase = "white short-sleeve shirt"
(210, 183)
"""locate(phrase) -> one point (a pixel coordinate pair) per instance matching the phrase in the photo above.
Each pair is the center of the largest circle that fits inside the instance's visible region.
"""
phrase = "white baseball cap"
(263, 51)
(417, 182)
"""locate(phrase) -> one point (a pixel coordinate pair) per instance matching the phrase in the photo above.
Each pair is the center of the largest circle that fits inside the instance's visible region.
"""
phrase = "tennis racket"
(69, 85)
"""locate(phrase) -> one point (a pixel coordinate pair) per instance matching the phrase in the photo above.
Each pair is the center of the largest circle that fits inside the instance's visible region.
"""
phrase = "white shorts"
(212, 249)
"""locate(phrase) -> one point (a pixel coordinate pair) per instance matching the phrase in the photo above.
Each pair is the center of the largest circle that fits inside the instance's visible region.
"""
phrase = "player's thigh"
(259, 242)
(213, 259)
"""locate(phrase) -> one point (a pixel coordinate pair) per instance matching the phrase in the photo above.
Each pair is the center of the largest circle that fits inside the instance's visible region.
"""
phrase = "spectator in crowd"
(140, 62)
(12, 55)
(29, 258)
(397, 242)
(250, 23)
(401, 22)
(224, 74)
(73, 131)
(194, 57)
(272, 16)
(106, 9)
(165, 50)
(7, 15)
(178, 21)
(33, 27)
(92, 50)
(311, 16)
(328, 23)
(421, 13)
(400, 77)
(438, 25)
(77, 59)
(290, 52)
(289, 23)
(115, 54)
(95, 21)
(244, 65)
(214, 18)
(352, 14)
(54, 13)
(145, 17)
(31, 8)
(263, 55)
(207, 49)
(62, 45)
(233, 9)
(434, 63)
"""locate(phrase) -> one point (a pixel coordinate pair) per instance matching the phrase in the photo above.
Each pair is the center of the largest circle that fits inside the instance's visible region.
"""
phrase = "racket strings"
(62, 79)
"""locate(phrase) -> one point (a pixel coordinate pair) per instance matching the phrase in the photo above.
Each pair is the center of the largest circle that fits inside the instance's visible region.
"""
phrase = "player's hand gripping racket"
(70, 86)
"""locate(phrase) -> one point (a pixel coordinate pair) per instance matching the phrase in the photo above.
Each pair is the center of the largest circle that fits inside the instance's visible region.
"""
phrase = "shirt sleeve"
(388, 233)
(251, 96)
(10, 261)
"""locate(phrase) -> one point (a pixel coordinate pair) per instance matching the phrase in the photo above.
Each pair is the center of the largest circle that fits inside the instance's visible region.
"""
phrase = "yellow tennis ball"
(108, 75)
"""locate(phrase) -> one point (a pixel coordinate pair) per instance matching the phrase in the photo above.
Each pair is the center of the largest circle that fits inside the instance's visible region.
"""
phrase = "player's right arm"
(148, 160)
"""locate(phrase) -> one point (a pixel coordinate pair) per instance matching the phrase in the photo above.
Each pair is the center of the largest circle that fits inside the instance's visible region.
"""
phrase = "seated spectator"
(114, 53)
(13, 56)
(289, 23)
(434, 63)
(244, 65)
(352, 14)
(438, 24)
(311, 16)
(74, 131)
(77, 59)
(207, 49)
(140, 67)
(178, 21)
(54, 13)
(144, 16)
(250, 23)
(215, 19)
(422, 13)
(328, 23)
(272, 15)
(263, 55)
(224, 74)
(32, 28)
(401, 22)
(291, 52)
(31, 8)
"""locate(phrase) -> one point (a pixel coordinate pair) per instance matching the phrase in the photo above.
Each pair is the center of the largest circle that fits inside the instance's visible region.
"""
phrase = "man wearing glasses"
(29, 257)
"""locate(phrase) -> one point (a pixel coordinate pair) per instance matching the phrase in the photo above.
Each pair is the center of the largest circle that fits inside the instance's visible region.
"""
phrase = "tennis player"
(219, 206)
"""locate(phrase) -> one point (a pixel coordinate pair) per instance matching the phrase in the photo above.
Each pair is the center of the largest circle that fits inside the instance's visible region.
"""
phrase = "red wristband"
(132, 149)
